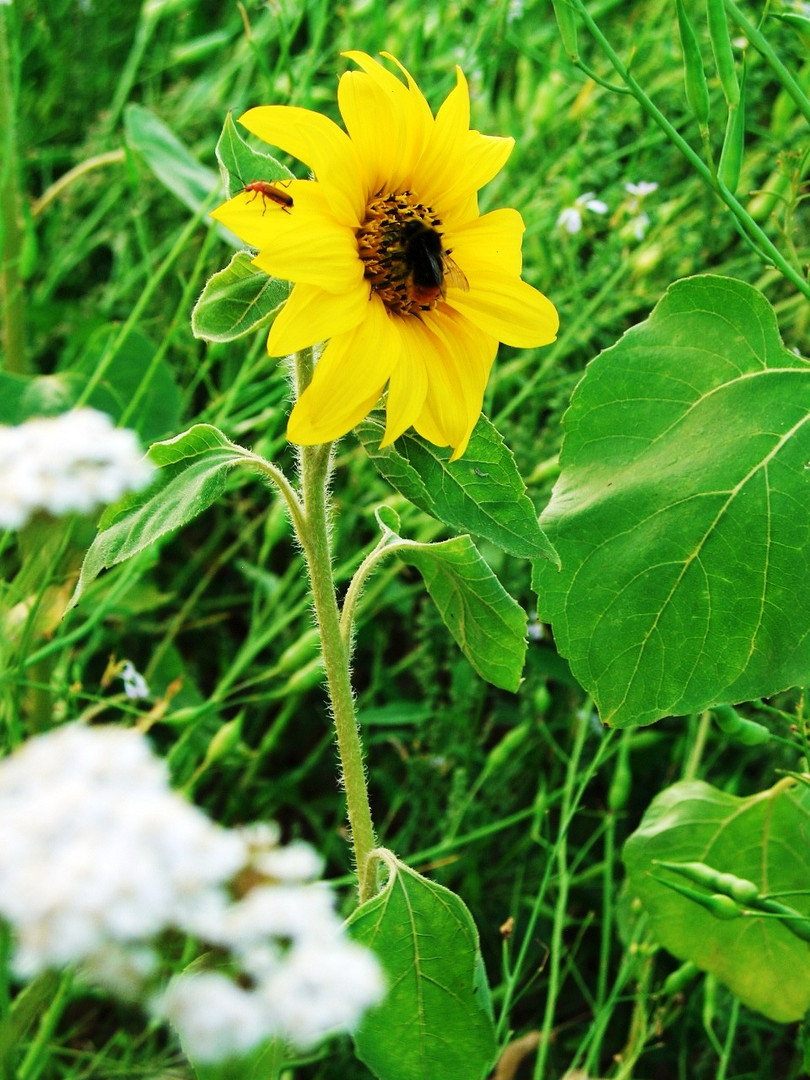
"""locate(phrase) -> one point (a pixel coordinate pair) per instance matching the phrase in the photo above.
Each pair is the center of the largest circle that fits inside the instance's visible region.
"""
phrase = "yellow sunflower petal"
(458, 162)
(388, 122)
(301, 243)
(349, 378)
(443, 160)
(409, 380)
(490, 242)
(322, 145)
(312, 315)
(457, 374)
(508, 309)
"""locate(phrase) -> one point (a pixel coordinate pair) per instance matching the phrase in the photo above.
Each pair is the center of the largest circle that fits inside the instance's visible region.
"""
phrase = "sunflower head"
(392, 264)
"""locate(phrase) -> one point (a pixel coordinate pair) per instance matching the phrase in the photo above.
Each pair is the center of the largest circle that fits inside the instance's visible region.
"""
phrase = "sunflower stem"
(313, 534)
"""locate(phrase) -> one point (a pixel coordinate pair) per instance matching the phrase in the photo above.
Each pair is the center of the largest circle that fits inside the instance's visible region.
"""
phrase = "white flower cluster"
(306, 980)
(74, 462)
(98, 856)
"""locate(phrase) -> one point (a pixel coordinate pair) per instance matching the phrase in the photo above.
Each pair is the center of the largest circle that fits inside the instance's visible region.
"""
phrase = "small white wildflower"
(75, 462)
(135, 686)
(95, 848)
(214, 1018)
(638, 225)
(570, 217)
(641, 189)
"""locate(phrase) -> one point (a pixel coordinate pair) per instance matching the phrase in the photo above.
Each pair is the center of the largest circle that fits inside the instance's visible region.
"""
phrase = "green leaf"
(481, 493)
(488, 625)
(762, 838)
(681, 515)
(237, 300)
(204, 455)
(436, 1020)
(240, 164)
(168, 158)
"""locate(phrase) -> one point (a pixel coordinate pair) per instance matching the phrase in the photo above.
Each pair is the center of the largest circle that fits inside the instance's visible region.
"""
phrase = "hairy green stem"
(313, 534)
(11, 286)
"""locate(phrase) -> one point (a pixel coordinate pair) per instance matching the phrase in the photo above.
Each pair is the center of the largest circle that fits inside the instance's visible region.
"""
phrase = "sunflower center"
(400, 243)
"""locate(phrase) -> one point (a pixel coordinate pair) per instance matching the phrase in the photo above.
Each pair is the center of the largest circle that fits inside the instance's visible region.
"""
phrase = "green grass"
(503, 798)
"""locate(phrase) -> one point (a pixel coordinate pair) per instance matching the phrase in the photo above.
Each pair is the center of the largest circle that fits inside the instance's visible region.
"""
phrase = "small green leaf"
(237, 300)
(436, 1020)
(488, 625)
(241, 164)
(482, 493)
(759, 842)
(168, 158)
(682, 515)
(205, 455)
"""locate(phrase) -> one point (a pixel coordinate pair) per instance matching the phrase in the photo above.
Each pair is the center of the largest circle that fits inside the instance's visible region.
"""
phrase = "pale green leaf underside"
(482, 493)
(237, 300)
(202, 456)
(681, 515)
(762, 838)
(436, 1018)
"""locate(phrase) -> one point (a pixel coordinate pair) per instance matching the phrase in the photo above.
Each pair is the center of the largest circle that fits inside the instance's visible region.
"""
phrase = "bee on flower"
(393, 265)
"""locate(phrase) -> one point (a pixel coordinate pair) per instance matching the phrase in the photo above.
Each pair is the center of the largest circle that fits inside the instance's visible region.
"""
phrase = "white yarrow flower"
(98, 856)
(75, 462)
(322, 988)
(95, 848)
(214, 1018)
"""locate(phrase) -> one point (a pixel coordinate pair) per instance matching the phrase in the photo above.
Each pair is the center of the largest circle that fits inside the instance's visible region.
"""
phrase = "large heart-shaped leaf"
(436, 1019)
(682, 513)
(762, 838)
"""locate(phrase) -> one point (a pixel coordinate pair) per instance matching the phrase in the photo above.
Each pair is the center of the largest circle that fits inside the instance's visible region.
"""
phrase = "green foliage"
(206, 456)
(685, 453)
(240, 164)
(482, 493)
(236, 301)
(516, 802)
(760, 838)
(488, 625)
(437, 1015)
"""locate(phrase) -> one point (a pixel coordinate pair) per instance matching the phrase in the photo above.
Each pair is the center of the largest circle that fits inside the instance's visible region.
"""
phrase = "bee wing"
(454, 275)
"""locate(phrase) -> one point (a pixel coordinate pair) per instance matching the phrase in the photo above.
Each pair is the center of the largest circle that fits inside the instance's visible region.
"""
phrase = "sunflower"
(392, 264)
